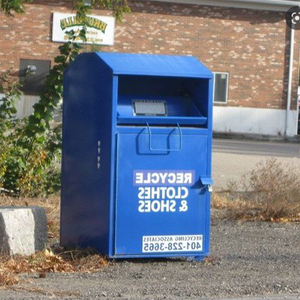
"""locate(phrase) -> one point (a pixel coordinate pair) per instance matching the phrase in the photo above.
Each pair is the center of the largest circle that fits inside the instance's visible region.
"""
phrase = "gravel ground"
(247, 259)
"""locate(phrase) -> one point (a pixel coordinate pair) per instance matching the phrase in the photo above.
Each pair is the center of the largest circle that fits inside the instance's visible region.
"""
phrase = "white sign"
(100, 30)
(172, 243)
(163, 191)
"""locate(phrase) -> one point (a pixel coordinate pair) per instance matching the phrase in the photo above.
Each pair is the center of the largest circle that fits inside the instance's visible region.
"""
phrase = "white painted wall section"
(247, 120)
(227, 119)
(24, 106)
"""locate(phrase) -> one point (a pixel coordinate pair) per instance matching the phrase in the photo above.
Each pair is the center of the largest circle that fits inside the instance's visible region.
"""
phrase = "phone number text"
(172, 246)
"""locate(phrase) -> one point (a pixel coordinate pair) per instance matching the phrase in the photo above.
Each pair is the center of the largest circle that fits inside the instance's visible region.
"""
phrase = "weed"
(270, 192)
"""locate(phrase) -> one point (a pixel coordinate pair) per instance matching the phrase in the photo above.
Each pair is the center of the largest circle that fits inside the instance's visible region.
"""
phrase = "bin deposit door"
(161, 205)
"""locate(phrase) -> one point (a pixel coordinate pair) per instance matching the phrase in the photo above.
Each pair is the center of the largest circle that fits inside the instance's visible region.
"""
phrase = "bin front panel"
(161, 206)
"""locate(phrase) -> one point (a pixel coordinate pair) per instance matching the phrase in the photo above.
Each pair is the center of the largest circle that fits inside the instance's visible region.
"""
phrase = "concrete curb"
(23, 230)
(256, 137)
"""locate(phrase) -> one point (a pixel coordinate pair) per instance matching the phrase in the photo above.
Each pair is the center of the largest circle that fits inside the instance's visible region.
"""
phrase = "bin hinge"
(207, 182)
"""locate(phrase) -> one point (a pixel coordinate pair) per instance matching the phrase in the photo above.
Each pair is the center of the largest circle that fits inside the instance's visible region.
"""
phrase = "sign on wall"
(100, 30)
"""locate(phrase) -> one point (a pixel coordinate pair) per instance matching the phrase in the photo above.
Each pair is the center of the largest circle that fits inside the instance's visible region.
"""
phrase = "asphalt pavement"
(246, 147)
(234, 158)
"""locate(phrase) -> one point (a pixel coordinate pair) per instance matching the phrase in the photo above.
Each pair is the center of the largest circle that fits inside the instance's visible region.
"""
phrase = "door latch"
(207, 183)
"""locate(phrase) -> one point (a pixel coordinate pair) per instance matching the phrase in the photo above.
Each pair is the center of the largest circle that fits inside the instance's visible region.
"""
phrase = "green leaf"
(59, 59)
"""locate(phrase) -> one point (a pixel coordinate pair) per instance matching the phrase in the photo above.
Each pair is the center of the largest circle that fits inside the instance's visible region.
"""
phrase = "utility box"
(136, 160)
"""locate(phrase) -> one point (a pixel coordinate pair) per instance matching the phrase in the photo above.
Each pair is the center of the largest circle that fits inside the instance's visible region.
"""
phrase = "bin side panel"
(86, 157)
(162, 209)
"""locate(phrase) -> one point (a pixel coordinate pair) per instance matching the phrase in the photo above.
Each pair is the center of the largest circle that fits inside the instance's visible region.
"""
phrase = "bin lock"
(207, 182)
(165, 149)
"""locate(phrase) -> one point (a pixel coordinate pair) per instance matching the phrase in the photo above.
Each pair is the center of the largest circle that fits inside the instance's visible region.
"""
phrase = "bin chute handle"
(166, 149)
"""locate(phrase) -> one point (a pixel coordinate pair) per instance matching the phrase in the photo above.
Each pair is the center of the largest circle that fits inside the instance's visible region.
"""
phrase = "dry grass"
(211, 260)
(53, 259)
(271, 192)
(47, 261)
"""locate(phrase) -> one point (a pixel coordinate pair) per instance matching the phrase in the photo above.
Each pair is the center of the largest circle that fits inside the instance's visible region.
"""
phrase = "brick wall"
(251, 45)
(28, 35)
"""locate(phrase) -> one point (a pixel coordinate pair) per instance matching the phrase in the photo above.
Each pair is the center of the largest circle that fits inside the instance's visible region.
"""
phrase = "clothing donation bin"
(136, 160)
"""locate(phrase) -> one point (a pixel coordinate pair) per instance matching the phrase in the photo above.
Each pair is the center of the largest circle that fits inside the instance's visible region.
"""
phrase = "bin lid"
(155, 65)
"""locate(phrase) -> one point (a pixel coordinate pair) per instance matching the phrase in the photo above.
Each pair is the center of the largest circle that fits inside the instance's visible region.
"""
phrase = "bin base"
(175, 256)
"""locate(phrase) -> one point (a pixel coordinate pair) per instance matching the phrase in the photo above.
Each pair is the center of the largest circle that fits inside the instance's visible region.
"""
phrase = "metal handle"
(166, 149)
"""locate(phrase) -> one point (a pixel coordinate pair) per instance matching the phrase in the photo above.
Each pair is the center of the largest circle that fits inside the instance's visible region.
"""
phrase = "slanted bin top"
(155, 65)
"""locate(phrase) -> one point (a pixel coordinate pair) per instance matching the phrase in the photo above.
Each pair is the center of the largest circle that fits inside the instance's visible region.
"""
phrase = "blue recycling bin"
(136, 157)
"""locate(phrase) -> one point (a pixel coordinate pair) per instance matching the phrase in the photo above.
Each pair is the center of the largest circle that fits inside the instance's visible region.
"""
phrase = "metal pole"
(290, 81)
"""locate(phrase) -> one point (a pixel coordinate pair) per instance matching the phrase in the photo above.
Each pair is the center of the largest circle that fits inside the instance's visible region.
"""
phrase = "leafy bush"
(30, 148)
(10, 6)
(270, 192)
(28, 166)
